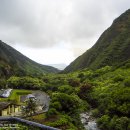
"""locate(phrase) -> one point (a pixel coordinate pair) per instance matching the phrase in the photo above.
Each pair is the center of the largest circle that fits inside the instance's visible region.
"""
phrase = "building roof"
(5, 93)
(4, 105)
(30, 96)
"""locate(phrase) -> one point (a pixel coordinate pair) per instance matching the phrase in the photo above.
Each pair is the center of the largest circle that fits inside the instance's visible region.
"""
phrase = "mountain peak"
(112, 48)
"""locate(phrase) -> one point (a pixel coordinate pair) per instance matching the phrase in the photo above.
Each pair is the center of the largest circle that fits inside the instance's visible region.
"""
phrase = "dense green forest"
(99, 81)
(105, 91)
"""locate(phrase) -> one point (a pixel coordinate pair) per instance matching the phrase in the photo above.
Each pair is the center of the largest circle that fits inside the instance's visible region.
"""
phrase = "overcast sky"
(56, 31)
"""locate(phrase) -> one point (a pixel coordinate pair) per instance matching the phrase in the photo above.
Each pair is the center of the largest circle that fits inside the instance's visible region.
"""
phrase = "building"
(5, 93)
(41, 98)
(9, 109)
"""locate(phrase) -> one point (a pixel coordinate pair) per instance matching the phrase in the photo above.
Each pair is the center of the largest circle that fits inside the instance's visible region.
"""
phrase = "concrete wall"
(29, 123)
(17, 109)
(4, 112)
(10, 110)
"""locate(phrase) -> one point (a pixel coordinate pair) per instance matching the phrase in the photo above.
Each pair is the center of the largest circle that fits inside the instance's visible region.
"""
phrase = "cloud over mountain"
(46, 23)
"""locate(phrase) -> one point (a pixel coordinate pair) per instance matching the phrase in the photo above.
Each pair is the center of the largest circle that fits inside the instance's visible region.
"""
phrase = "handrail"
(41, 126)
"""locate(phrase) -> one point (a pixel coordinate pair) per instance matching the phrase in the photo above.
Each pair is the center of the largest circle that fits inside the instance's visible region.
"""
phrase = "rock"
(88, 121)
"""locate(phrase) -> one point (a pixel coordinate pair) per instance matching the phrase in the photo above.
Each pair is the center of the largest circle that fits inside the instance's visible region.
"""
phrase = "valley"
(92, 93)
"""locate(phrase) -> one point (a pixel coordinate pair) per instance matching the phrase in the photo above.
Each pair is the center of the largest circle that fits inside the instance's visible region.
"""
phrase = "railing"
(26, 122)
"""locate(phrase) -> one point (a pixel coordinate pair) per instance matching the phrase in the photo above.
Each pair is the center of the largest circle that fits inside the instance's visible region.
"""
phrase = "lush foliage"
(107, 90)
(30, 107)
(110, 96)
(104, 84)
(65, 104)
(24, 83)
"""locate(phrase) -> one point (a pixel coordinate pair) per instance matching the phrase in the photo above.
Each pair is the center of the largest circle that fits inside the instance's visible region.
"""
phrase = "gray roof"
(30, 96)
(4, 105)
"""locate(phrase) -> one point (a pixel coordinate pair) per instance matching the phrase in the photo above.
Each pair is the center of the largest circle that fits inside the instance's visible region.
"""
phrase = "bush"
(51, 112)
(95, 113)
(25, 82)
(74, 82)
(65, 89)
(63, 122)
(103, 122)
(2, 83)
(120, 123)
(127, 82)
(81, 76)
(116, 123)
(103, 70)
(127, 65)
(56, 105)
(84, 89)
(118, 78)
(69, 103)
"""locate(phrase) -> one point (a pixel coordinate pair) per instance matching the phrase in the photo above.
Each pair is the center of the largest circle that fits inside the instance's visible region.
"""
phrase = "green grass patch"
(15, 95)
(37, 118)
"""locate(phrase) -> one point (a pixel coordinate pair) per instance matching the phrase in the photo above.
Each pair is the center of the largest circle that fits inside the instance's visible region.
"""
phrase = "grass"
(37, 118)
(15, 95)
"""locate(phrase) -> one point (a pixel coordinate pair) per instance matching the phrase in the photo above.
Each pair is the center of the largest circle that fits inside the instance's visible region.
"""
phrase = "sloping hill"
(112, 48)
(13, 62)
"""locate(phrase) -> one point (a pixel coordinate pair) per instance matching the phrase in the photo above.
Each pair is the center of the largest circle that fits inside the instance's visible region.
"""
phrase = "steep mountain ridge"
(13, 62)
(112, 48)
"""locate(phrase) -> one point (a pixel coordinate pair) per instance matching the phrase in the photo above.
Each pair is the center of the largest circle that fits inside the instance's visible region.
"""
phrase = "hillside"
(112, 48)
(13, 62)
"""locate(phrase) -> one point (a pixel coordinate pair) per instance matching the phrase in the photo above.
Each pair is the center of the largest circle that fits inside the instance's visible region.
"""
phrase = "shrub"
(103, 70)
(56, 105)
(80, 75)
(121, 123)
(127, 82)
(95, 113)
(127, 65)
(74, 82)
(118, 78)
(51, 112)
(2, 83)
(116, 123)
(69, 103)
(84, 89)
(25, 82)
(63, 122)
(65, 89)
(103, 122)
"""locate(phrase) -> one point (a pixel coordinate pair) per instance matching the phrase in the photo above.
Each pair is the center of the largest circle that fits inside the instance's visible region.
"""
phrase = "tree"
(74, 82)
(104, 122)
(127, 82)
(66, 89)
(25, 82)
(30, 107)
(3, 83)
(84, 90)
(67, 103)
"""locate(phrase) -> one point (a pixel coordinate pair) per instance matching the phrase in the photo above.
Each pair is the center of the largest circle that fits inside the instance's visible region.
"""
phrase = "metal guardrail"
(29, 123)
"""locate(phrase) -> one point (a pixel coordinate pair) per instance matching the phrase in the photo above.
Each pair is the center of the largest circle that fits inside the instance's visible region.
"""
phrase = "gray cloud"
(45, 23)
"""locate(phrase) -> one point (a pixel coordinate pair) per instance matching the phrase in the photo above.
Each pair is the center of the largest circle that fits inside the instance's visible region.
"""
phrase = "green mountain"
(13, 62)
(112, 48)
